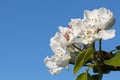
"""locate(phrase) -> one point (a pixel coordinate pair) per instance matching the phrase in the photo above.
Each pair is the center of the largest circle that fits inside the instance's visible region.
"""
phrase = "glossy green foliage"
(82, 58)
(84, 76)
(114, 61)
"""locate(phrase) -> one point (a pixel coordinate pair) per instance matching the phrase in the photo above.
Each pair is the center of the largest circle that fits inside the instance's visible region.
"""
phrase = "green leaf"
(84, 76)
(95, 77)
(118, 47)
(82, 58)
(96, 69)
(78, 61)
(114, 61)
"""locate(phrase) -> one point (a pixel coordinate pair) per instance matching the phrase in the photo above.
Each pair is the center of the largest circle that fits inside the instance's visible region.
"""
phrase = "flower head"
(102, 18)
(57, 63)
(94, 26)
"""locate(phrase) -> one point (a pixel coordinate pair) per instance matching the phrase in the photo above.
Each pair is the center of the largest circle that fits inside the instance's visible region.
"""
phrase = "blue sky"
(26, 27)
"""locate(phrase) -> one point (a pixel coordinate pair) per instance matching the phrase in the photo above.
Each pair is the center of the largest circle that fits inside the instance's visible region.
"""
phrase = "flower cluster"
(94, 26)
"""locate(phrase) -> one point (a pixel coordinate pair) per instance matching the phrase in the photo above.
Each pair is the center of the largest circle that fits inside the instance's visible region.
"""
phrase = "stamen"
(70, 26)
(67, 37)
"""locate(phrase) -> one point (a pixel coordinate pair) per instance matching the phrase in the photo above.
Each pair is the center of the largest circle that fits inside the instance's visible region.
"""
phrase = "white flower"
(84, 33)
(66, 35)
(106, 34)
(57, 47)
(91, 16)
(80, 31)
(106, 18)
(89, 36)
(57, 63)
(75, 25)
(102, 18)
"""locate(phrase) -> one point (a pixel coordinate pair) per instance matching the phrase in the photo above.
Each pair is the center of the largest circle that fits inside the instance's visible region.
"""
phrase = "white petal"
(55, 40)
(55, 70)
(57, 47)
(50, 62)
(106, 34)
(85, 42)
(88, 14)
(64, 61)
(63, 30)
(102, 18)
(106, 18)
(65, 36)
(76, 26)
(59, 51)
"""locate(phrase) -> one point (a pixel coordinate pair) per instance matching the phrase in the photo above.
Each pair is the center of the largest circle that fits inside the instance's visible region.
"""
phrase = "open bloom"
(84, 33)
(75, 25)
(92, 27)
(61, 56)
(66, 35)
(57, 47)
(57, 63)
(102, 18)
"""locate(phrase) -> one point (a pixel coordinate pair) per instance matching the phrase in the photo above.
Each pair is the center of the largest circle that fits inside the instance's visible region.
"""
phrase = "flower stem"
(100, 48)
(93, 45)
(76, 47)
(100, 45)
(100, 74)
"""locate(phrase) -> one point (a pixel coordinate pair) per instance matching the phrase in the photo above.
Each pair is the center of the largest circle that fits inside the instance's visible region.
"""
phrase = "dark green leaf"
(78, 63)
(96, 69)
(114, 61)
(82, 58)
(95, 77)
(118, 47)
(84, 76)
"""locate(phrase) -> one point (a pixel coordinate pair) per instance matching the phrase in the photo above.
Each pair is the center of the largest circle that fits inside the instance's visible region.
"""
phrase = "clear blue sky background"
(26, 27)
